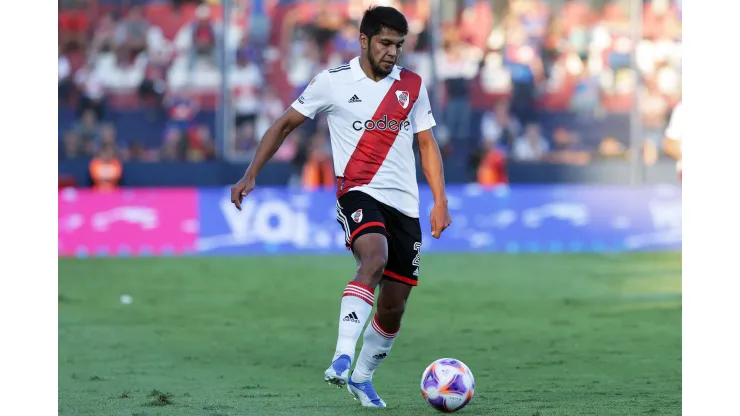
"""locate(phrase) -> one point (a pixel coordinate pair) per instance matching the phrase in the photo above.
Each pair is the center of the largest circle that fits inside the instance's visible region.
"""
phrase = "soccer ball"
(447, 385)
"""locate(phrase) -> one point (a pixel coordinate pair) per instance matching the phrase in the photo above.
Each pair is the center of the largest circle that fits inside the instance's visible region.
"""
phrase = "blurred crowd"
(503, 69)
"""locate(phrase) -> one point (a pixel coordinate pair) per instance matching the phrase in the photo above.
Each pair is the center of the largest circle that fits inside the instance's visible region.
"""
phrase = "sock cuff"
(379, 329)
(361, 291)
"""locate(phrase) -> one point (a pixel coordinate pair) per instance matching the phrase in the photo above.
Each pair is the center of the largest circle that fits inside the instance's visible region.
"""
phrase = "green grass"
(543, 334)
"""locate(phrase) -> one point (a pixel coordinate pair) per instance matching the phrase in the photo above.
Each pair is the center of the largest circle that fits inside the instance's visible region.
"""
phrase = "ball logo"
(357, 216)
(382, 124)
(403, 98)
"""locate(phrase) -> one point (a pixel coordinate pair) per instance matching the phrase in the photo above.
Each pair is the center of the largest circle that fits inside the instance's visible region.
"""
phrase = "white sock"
(357, 303)
(376, 345)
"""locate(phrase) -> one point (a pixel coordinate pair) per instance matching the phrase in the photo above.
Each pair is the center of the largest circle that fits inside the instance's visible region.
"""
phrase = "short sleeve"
(421, 116)
(316, 98)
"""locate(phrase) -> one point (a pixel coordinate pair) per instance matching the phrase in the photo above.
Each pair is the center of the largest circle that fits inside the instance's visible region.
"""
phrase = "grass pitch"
(543, 334)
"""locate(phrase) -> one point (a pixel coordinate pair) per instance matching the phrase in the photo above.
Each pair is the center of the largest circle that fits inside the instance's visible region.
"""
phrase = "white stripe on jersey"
(343, 220)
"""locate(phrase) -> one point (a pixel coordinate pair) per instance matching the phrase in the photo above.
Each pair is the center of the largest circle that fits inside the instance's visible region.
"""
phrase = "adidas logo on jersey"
(416, 272)
(354, 99)
(351, 317)
(380, 356)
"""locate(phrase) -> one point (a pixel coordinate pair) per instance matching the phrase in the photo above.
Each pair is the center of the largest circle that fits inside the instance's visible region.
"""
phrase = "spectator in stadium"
(289, 149)
(182, 109)
(173, 145)
(328, 21)
(499, 127)
(197, 39)
(108, 137)
(124, 70)
(73, 27)
(104, 35)
(303, 62)
(250, 50)
(587, 94)
(243, 140)
(65, 72)
(531, 146)
(153, 86)
(318, 171)
(456, 69)
(567, 149)
(132, 31)
(271, 107)
(87, 131)
(655, 110)
(247, 83)
(140, 153)
(526, 70)
(90, 81)
(106, 169)
(577, 48)
(71, 148)
(476, 23)
(345, 44)
(612, 149)
(200, 146)
(177, 5)
(495, 77)
(492, 169)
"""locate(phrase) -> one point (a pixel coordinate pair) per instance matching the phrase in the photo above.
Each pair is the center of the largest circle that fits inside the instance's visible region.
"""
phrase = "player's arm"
(672, 147)
(431, 165)
(273, 139)
(268, 146)
(431, 161)
(672, 138)
(315, 99)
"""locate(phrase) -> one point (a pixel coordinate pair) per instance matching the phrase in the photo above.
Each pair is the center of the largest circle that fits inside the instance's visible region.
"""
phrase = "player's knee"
(373, 265)
(391, 311)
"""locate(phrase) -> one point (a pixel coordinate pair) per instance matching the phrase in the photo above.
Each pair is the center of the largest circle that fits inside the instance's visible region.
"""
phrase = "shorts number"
(417, 259)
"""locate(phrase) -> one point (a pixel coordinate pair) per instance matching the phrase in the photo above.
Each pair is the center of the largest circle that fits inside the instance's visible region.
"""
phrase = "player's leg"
(399, 277)
(378, 340)
(380, 334)
(364, 227)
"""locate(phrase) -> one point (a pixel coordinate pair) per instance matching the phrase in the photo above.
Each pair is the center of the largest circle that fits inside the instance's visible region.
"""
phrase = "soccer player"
(373, 108)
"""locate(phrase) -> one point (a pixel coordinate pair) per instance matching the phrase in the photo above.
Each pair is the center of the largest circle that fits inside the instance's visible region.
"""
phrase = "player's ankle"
(359, 376)
(348, 355)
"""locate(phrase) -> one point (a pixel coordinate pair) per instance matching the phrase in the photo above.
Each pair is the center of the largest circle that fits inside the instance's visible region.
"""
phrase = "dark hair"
(378, 17)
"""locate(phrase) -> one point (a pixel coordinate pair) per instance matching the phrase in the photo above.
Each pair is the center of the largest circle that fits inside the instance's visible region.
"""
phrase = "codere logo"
(382, 124)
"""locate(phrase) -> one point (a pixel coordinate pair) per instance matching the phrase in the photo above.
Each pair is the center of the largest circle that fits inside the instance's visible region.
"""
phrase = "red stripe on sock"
(370, 300)
(379, 329)
(361, 291)
(361, 286)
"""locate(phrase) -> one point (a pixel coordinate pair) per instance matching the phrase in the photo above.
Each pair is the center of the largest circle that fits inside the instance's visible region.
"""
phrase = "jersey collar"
(358, 73)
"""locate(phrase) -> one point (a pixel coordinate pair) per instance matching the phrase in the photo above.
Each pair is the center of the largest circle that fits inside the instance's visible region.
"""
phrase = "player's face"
(383, 50)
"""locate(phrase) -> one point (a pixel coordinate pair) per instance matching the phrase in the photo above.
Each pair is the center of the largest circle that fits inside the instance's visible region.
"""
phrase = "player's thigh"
(363, 223)
(404, 247)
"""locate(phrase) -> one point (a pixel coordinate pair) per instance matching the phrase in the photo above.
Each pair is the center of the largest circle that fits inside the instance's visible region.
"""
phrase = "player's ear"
(364, 41)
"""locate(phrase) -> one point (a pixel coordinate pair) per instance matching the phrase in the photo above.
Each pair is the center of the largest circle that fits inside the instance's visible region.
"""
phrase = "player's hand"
(440, 219)
(240, 190)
